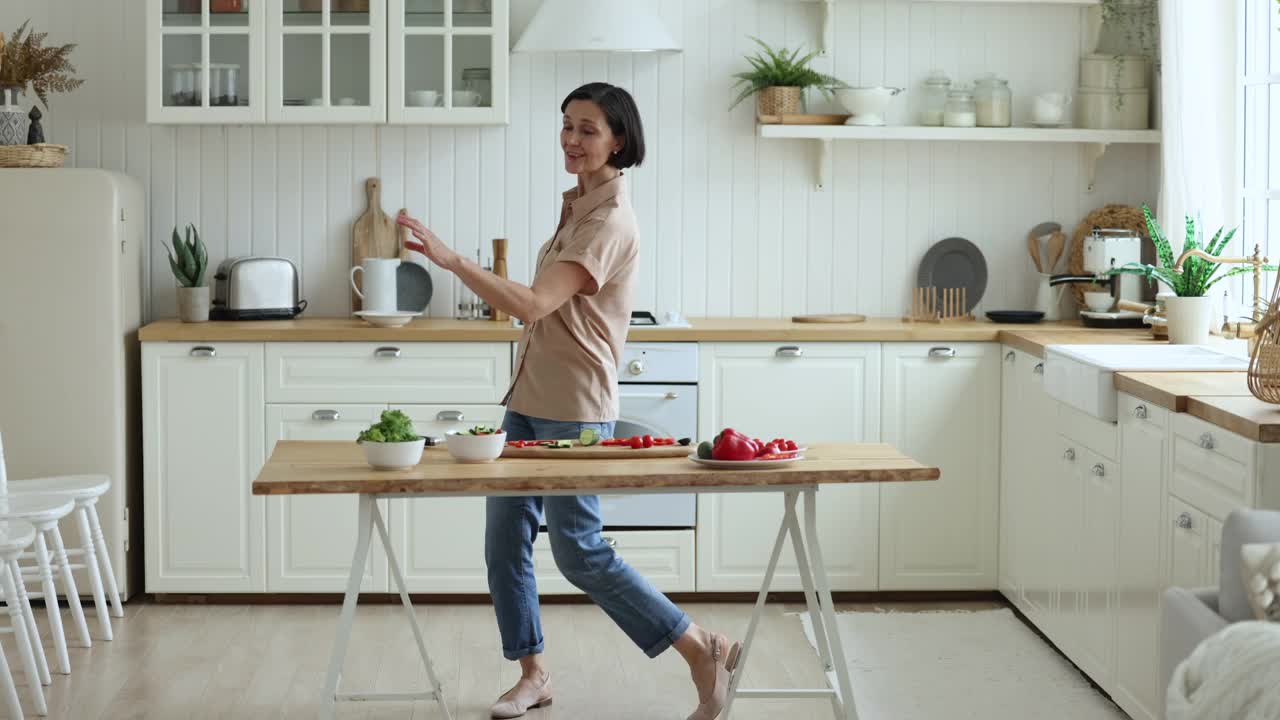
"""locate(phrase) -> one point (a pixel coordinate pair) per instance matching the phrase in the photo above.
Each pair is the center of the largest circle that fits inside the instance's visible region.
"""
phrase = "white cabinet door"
(440, 541)
(1139, 579)
(940, 407)
(311, 538)
(1098, 482)
(1188, 544)
(819, 392)
(202, 449)
(205, 61)
(663, 557)
(326, 61)
(1016, 468)
(1041, 459)
(447, 62)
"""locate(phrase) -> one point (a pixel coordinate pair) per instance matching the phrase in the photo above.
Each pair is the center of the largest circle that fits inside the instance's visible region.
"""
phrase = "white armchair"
(1189, 616)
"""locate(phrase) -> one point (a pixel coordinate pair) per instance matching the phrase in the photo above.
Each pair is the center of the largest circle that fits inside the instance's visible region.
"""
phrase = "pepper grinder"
(500, 269)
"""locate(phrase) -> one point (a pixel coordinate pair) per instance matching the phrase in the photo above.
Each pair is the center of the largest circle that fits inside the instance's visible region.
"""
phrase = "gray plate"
(413, 287)
(954, 263)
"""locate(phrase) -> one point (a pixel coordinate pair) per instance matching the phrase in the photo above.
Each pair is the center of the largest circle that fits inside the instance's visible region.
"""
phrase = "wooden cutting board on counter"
(598, 452)
(373, 234)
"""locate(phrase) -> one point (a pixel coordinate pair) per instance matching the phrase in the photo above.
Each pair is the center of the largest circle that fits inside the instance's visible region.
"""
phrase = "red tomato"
(637, 443)
(791, 445)
(647, 441)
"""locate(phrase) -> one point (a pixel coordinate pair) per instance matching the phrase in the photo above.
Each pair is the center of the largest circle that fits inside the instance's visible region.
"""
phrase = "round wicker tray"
(43, 155)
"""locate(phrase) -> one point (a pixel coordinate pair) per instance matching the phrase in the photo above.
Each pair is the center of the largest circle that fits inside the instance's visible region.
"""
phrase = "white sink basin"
(1082, 376)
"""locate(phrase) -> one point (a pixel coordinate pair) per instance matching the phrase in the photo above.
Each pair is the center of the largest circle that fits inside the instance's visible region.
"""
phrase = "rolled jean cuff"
(670, 637)
(521, 652)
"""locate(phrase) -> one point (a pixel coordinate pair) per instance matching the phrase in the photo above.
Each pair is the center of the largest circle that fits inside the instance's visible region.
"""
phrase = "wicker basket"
(43, 155)
(1264, 366)
(778, 101)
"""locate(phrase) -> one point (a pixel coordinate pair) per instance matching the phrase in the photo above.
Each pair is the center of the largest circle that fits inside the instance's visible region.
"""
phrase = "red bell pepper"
(731, 445)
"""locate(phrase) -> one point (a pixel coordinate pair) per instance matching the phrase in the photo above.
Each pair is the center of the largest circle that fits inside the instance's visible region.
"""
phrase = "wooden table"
(319, 467)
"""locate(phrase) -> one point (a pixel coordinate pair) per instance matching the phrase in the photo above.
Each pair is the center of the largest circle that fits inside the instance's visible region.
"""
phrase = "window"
(1259, 146)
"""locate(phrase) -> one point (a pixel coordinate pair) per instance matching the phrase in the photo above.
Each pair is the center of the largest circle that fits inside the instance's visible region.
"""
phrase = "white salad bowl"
(468, 448)
(393, 455)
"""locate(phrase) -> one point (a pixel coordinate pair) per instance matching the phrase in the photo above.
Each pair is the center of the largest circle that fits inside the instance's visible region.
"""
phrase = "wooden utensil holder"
(939, 305)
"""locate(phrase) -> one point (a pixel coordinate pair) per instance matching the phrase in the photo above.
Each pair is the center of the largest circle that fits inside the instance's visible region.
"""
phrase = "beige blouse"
(568, 361)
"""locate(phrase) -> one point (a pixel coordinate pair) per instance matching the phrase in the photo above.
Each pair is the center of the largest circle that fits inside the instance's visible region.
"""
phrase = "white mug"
(423, 98)
(379, 280)
(465, 98)
(1051, 107)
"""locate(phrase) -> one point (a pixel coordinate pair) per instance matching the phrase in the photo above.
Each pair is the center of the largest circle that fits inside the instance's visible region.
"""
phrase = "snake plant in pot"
(189, 260)
(1189, 277)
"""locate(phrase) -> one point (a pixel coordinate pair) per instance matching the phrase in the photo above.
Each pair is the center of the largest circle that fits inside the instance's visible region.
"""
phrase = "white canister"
(1190, 319)
(1113, 109)
(377, 291)
(1114, 72)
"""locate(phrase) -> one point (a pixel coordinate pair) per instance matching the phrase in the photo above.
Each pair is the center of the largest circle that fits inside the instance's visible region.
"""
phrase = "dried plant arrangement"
(25, 61)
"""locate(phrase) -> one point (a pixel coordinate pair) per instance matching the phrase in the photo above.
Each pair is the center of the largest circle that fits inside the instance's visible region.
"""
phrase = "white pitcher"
(378, 277)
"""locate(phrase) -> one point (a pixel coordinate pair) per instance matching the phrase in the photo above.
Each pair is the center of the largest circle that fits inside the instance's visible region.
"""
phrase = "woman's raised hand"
(435, 249)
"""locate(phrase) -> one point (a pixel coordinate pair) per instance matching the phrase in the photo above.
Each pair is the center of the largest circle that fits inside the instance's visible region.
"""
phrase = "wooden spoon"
(1057, 242)
(1033, 246)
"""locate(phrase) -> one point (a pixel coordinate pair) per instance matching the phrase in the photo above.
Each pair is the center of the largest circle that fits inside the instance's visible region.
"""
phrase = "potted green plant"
(392, 443)
(1189, 312)
(778, 78)
(25, 61)
(189, 260)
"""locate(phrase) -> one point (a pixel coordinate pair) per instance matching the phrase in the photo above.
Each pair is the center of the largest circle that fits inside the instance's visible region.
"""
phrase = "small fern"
(781, 68)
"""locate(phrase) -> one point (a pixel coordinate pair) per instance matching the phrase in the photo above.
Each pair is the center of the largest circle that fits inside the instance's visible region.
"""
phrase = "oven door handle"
(651, 396)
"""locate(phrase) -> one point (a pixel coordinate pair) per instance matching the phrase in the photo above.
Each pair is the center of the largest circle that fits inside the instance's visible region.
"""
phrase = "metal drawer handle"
(391, 352)
(1009, 356)
(1140, 412)
(1099, 470)
(613, 542)
(1206, 441)
(1038, 369)
(203, 351)
(1070, 454)
(1184, 521)
(652, 396)
(326, 415)
(449, 416)
(942, 352)
(790, 351)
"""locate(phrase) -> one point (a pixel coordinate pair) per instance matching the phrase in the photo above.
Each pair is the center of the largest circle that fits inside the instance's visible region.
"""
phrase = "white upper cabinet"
(326, 61)
(333, 62)
(205, 61)
(447, 62)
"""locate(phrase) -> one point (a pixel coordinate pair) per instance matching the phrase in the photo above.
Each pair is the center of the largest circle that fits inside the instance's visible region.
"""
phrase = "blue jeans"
(651, 620)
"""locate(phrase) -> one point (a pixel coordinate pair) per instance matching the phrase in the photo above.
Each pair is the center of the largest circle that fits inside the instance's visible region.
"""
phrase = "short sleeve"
(598, 246)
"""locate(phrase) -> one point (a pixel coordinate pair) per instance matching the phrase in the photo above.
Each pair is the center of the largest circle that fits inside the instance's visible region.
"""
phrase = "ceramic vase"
(14, 121)
(1190, 319)
(193, 304)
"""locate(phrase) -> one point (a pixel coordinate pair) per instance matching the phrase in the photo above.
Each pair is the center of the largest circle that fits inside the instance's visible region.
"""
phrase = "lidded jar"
(994, 101)
(960, 110)
(934, 98)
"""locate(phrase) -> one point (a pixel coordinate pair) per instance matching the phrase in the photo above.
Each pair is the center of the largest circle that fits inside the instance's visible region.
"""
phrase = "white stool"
(44, 512)
(84, 490)
(16, 536)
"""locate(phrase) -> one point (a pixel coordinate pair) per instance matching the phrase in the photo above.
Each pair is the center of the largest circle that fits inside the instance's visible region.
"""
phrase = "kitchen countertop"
(1220, 398)
(1029, 338)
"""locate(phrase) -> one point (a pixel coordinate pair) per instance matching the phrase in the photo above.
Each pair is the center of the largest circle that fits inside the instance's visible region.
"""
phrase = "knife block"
(500, 269)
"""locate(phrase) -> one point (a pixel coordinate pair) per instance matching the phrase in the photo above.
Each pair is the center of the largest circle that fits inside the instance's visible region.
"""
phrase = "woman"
(576, 316)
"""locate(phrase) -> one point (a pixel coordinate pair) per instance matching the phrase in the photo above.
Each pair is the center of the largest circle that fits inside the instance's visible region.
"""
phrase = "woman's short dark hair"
(623, 116)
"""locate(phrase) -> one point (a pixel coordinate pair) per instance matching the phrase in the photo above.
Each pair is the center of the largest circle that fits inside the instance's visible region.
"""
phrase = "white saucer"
(387, 319)
(745, 464)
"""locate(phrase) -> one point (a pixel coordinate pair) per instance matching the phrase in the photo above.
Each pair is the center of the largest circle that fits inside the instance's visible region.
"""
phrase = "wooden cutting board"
(598, 452)
(373, 234)
(802, 119)
(850, 318)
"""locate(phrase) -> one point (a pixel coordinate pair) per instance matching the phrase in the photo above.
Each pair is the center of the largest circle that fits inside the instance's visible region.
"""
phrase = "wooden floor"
(188, 662)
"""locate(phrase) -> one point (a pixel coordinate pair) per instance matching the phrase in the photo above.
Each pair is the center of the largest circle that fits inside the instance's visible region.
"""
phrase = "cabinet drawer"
(1142, 411)
(387, 372)
(1098, 435)
(663, 557)
(1212, 467)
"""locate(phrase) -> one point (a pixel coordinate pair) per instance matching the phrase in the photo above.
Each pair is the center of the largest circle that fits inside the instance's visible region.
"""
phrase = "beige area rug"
(951, 665)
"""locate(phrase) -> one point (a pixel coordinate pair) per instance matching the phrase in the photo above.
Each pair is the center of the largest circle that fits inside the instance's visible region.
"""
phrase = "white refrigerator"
(70, 306)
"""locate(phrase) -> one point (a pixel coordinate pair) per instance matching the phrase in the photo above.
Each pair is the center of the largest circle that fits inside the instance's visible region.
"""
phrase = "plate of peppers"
(732, 449)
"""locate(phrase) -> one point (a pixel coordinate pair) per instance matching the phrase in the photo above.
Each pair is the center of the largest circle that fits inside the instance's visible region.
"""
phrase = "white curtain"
(1198, 114)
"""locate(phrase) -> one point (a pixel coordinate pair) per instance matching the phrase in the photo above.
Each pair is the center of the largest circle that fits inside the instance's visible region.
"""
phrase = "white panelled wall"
(731, 224)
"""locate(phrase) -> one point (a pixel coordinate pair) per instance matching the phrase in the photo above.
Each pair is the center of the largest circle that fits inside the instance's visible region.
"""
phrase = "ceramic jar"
(14, 121)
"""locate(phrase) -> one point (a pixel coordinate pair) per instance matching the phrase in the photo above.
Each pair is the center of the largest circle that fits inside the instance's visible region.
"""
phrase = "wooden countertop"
(338, 467)
(1247, 416)
(1220, 398)
(1030, 338)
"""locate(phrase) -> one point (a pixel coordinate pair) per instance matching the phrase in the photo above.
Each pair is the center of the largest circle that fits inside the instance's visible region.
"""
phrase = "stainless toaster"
(256, 288)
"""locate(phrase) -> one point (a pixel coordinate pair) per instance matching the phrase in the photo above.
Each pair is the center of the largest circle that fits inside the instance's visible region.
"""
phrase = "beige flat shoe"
(518, 707)
(726, 663)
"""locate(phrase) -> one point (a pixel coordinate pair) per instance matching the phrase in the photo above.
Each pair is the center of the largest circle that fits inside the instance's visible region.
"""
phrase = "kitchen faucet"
(1243, 330)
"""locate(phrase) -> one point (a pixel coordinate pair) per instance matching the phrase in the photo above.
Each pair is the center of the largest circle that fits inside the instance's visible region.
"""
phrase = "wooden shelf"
(1094, 142)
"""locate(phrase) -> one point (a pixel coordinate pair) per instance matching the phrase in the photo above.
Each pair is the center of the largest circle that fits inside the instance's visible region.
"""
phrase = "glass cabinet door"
(327, 61)
(203, 56)
(447, 61)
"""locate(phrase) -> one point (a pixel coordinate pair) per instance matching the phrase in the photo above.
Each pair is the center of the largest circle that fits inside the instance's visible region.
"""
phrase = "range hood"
(596, 26)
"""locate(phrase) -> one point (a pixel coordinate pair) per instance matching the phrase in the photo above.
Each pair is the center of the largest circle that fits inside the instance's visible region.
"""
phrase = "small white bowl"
(475, 448)
(1099, 301)
(393, 455)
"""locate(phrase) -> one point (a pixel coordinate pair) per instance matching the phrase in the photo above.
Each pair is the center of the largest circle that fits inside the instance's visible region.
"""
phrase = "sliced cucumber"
(561, 445)
(588, 437)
